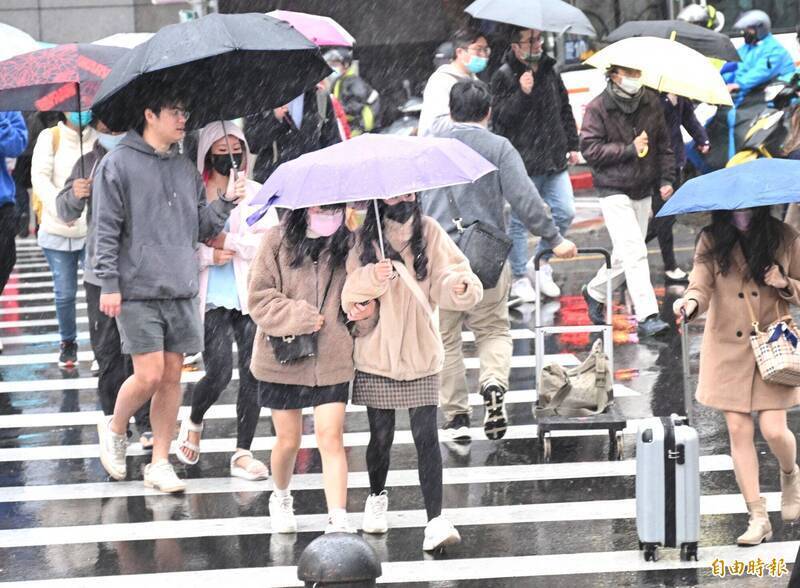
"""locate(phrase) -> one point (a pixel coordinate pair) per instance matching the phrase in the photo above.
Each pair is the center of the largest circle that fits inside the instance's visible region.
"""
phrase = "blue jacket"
(13, 140)
(760, 63)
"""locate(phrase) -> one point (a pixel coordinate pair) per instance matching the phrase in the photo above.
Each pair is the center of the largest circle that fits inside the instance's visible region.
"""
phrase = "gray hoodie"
(149, 212)
(484, 199)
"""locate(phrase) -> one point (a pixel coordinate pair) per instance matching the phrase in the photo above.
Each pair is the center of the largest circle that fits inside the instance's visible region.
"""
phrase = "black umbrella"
(221, 66)
(709, 43)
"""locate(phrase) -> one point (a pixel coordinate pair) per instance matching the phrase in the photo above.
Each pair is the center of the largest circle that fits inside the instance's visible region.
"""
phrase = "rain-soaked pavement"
(524, 522)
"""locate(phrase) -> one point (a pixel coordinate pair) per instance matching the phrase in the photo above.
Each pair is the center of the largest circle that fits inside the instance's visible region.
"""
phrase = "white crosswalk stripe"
(495, 491)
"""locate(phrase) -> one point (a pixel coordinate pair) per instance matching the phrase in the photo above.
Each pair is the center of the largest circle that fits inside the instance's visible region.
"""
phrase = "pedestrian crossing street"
(523, 522)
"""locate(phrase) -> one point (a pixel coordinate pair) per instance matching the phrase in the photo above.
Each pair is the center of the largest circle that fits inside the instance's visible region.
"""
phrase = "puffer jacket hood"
(213, 132)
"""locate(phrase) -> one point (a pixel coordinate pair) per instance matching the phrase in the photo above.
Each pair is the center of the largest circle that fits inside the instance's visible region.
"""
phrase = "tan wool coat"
(284, 301)
(729, 378)
(406, 345)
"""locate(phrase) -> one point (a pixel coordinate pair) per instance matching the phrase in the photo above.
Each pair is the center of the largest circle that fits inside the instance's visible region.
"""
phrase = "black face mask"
(750, 38)
(222, 163)
(400, 212)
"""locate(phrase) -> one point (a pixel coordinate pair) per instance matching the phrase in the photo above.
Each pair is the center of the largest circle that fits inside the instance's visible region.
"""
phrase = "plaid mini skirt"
(379, 392)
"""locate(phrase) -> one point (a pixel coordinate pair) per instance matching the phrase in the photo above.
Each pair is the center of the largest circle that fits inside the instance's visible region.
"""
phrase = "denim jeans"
(64, 265)
(556, 191)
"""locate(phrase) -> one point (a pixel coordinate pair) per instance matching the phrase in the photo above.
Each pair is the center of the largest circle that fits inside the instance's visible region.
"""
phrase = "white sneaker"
(281, 514)
(95, 369)
(192, 359)
(522, 290)
(677, 275)
(113, 449)
(440, 533)
(375, 513)
(162, 476)
(549, 288)
(337, 523)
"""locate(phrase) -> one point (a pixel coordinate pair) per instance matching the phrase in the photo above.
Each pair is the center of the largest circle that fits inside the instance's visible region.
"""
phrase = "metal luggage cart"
(612, 420)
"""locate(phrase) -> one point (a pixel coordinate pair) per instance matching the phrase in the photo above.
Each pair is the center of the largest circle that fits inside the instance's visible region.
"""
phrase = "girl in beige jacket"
(295, 287)
(746, 259)
(399, 361)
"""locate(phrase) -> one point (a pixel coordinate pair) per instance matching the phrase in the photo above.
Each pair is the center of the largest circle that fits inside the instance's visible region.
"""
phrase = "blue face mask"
(477, 64)
(80, 119)
(109, 141)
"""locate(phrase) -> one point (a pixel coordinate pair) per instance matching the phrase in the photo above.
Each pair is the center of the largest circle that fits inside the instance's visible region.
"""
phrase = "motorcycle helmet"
(444, 54)
(706, 16)
(755, 19)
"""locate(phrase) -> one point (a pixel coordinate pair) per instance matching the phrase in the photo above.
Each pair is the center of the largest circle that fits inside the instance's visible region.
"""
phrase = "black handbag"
(484, 245)
(296, 347)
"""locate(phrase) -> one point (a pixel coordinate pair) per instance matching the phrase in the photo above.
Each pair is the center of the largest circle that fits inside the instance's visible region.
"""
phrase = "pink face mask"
(741, 219)
(323, 224)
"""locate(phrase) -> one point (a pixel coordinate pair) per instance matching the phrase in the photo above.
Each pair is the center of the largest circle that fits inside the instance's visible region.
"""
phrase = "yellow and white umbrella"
(667, 66)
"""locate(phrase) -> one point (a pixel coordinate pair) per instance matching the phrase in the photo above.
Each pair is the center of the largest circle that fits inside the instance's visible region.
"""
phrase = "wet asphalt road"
(524, 522)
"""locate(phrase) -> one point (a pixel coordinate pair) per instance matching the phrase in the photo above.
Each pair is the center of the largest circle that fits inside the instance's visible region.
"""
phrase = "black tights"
(429, 460)
(222, 326)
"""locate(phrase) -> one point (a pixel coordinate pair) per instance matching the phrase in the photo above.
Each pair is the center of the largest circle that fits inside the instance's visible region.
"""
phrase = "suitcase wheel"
(650, 553)
(688, 551)
(546, 448)
(618, 447)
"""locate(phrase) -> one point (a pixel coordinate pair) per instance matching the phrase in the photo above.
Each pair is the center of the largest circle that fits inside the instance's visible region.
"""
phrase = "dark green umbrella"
(221, 67)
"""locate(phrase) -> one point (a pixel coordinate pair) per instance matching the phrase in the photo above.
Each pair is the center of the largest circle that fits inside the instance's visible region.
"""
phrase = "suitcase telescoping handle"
(688, 405)
(582, 251)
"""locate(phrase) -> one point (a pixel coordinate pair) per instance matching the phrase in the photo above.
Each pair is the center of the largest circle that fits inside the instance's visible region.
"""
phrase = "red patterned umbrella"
(64, 78)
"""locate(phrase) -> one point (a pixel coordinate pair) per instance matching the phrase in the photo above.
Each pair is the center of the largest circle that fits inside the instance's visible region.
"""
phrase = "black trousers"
(661, 228)
(8, 248)
(222, 326)
(115, 367)
(429, 459)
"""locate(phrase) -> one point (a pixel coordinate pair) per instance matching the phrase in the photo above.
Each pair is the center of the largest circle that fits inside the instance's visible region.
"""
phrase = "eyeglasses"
(530, 42)
(179, 113)
(480, 50)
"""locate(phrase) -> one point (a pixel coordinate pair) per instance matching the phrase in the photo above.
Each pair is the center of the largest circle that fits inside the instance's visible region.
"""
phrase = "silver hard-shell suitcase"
(668, 479)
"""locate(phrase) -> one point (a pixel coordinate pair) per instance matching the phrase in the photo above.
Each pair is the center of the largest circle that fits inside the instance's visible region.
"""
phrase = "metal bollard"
(343, 560)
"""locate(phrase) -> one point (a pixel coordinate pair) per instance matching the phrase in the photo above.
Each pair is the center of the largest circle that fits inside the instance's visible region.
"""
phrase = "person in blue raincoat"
(763, 58)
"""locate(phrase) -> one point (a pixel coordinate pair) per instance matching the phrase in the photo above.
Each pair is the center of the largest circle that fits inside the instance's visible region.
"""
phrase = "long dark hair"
(760, 244)
(369, 239)
(337, 245)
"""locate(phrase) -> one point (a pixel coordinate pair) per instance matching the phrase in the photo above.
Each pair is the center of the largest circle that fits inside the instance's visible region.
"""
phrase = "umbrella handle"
(380, 230)
(80, 127)
(230, 151)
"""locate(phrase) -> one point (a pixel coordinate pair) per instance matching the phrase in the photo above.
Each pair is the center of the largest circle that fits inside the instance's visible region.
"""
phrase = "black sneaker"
(652, 326)
(597, 310)
(69, 354)
(457, 428)
(495, 419)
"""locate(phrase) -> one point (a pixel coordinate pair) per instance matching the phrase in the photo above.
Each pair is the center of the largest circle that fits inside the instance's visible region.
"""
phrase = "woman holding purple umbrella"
(399, 361)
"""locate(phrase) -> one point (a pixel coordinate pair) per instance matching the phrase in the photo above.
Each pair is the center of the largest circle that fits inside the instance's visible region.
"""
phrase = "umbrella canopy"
(709, 43)
(543, 15)
(221, 66)
(667, 66)
(762, 182)
(370, 166)
(63, 78)
(323, 31)
(126, 40)
(15, 42)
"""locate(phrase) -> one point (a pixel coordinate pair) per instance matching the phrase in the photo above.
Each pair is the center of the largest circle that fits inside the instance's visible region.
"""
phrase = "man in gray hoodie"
(470, 110)
(150, 211)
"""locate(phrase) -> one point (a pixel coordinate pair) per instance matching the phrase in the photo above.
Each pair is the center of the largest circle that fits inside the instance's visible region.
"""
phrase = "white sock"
(282, 493)
(337, 513)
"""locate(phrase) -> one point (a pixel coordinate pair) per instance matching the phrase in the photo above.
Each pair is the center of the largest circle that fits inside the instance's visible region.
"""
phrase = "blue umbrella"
(762, 182)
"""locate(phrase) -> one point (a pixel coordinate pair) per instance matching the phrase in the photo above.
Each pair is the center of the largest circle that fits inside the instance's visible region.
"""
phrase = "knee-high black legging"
(429, 459)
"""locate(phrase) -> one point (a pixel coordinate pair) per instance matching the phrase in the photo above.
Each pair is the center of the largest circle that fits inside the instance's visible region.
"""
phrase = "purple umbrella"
(370, 167)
